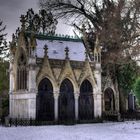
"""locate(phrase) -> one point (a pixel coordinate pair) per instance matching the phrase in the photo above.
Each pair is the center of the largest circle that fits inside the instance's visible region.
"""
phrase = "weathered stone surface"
(23, 101)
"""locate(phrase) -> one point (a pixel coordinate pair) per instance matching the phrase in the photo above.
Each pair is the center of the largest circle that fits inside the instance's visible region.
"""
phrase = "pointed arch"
(73, 82)
(45, 100)
(86, 101)
(109, 100)
(20, 51)
(68, 73)
(46, 76)
(86, 87)
(47, 72)
(88, 74)
(66, 101)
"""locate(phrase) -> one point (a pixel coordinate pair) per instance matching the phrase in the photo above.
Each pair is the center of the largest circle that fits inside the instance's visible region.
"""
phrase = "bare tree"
(113, 26)
(116, 24)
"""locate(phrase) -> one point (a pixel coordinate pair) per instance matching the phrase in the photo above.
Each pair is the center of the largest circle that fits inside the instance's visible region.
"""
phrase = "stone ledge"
(23, 96)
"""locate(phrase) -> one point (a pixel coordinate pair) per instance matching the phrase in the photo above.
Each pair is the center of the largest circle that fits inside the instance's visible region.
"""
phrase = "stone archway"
(109, 100)
(86, 102)
(45, 101)
(66, 101)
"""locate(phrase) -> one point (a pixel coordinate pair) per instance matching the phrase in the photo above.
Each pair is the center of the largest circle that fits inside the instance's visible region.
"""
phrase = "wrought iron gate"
(45, 101)
(66, 101)
(86, 102)
(109, 100)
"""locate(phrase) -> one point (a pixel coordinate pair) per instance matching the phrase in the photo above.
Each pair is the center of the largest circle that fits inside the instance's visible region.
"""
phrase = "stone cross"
(46, 50)
(67, 52)
(86, 55)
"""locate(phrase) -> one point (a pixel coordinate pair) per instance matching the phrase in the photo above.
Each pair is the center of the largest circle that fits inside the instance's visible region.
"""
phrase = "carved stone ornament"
(39, 23)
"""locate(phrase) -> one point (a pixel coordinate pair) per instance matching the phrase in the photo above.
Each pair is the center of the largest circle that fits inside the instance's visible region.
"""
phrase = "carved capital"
(56, 95)
(76, 96)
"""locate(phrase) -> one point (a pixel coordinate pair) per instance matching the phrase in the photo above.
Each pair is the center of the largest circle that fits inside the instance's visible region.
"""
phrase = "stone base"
(23, 105)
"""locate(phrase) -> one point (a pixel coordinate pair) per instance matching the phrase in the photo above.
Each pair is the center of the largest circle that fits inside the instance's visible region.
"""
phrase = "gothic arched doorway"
(86, 102)
(45, 101)
(66, 101)
(109, 101)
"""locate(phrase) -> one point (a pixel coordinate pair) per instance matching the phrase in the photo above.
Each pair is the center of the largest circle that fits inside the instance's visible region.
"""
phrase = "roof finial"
(46, 50)
(67, 52)
(13, 37)
(86, 55)
(22, 20)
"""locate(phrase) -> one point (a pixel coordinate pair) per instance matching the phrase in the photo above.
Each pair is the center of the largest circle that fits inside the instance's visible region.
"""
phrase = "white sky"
(11, 10)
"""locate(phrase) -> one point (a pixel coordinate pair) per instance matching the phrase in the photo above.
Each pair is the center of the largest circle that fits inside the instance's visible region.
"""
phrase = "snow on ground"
(102, 131)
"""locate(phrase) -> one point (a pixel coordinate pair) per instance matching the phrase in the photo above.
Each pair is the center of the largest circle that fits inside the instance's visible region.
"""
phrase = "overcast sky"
(11, 10)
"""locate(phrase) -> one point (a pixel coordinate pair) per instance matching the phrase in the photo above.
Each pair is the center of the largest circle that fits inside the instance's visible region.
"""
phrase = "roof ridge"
(60, 37)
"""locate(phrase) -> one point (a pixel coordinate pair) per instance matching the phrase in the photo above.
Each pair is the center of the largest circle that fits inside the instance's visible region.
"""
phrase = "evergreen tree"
(137, 89)
(3, 44)
(4, 83)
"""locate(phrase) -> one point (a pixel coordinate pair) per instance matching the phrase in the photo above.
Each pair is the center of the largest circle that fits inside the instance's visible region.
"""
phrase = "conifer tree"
(3, 44)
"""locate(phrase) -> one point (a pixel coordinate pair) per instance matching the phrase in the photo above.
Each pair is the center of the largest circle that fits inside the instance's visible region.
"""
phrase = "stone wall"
(23, 106)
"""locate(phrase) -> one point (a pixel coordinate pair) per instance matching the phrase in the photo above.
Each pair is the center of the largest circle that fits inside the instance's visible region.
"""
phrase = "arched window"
(66, 101)
(86, 102)
(21, 73)
(45, 101)
(109, 100)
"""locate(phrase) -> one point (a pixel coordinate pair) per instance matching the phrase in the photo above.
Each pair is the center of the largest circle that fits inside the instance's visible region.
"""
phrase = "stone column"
(32, 75)
(32, 88)
(97, 105)
(97, 92)
(32, 80)
(11, 105)
(11, 89)
(11, 79)
(56, 95)
(76, 97)
(32, 106)
(117, 106)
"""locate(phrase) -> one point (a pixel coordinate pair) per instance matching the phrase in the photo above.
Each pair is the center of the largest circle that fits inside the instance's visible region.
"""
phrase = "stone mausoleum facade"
(52, 78)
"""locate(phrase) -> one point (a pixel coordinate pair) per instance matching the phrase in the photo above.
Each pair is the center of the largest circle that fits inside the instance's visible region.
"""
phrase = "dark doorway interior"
(66, 101)
(86, 102)
(45, 101)
(109, 100)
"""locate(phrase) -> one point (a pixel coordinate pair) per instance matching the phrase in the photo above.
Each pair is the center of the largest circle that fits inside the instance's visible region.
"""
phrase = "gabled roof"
(56, 47)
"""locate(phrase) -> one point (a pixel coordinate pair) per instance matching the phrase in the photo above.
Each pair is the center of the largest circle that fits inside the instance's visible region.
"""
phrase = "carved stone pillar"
(56, 95)
(32, 75)
(32, 106)
(76, 96)
(11, 79)
(11, 89)
(97, 105)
